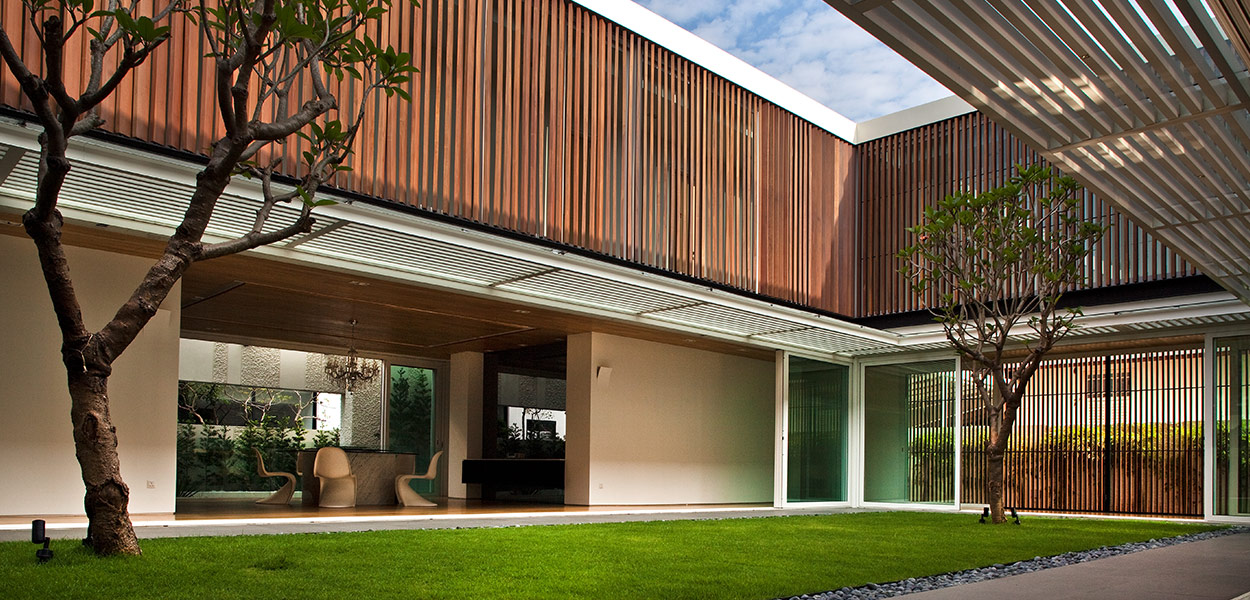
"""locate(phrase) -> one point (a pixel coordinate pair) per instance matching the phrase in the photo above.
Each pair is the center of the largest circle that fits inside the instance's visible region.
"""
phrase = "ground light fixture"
(39, 536)
(985, 514)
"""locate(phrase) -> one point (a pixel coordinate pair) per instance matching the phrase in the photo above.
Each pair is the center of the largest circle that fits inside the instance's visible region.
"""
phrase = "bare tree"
(276, 67)
(999, 262)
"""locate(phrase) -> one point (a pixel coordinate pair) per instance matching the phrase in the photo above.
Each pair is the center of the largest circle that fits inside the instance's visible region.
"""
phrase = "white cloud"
(810, 47)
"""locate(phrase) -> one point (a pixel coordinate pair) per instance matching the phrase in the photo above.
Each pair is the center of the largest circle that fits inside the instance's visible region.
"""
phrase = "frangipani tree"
(998, 262)
(278, 67)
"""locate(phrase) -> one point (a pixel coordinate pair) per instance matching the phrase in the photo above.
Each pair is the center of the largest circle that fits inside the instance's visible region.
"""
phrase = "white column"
(464, 420)
(1236, 360)
(580, 379)
(958, 439)
(782, 421)
(1208, 428)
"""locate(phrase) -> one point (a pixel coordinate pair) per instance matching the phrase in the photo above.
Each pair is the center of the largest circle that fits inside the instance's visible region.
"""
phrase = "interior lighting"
(351, 369)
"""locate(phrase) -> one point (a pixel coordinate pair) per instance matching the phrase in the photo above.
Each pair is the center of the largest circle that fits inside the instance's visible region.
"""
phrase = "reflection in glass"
(410, 418)
(909, 453)
(531, 416)
(818, 420)
(1232, 426)
(221, 426)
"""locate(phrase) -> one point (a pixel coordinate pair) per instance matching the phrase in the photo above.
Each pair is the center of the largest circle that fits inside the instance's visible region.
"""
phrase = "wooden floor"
(193, 509)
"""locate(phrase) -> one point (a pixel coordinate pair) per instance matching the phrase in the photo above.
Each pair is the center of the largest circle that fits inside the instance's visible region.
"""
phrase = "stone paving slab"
(1214, 569)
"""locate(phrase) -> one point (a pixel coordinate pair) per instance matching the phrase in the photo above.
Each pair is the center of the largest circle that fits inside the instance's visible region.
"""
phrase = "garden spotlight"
(38, 536)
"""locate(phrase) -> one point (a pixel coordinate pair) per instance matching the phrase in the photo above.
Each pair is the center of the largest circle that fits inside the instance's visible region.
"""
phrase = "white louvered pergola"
(1146, 102)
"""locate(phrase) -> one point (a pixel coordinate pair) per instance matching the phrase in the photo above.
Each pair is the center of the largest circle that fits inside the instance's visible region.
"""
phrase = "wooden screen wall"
(540, 117)
(903, 173)
(1117, 433)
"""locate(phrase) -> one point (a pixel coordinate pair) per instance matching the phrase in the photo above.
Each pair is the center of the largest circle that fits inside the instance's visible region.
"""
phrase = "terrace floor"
(245, 517)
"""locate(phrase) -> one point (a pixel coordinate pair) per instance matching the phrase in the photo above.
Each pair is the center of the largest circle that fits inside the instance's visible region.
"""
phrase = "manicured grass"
(740, 558)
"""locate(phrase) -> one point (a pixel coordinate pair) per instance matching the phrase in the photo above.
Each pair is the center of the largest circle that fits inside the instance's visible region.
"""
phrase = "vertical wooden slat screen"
(542, 118)
(930, 437)
(903, 173)
(1115, 433)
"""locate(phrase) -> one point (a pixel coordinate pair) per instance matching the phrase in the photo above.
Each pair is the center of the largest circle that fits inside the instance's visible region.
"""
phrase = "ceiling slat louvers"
(1145, 101)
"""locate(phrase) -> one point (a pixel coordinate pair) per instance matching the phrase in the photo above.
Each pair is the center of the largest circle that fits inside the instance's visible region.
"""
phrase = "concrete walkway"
(1215, 569)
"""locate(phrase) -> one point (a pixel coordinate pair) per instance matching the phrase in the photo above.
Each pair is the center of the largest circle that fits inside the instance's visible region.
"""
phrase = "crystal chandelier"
(351, 369)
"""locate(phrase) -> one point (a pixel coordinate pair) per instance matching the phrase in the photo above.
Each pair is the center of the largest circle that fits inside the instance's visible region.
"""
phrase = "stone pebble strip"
(924, 584)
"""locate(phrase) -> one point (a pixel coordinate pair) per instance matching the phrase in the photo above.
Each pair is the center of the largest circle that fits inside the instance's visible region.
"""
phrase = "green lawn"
(740, 558)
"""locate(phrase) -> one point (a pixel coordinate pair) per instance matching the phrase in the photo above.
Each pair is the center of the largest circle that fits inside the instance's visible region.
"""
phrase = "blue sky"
(811, 47)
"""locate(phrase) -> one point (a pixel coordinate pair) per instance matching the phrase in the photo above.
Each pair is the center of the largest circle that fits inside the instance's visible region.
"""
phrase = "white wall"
(669, 425)
(37, 466)
(464, 416)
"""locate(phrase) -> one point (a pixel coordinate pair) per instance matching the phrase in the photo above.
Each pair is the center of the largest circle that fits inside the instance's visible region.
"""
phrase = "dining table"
(375, 472)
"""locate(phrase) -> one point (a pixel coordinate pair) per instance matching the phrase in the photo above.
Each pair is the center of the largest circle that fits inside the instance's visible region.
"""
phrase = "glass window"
(1232, 426)
(220, 424)
(531, 415)
(909, 453)
(411, 418)
(817, 431)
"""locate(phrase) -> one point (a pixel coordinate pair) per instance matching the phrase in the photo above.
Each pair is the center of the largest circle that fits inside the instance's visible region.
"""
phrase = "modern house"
(590, 222)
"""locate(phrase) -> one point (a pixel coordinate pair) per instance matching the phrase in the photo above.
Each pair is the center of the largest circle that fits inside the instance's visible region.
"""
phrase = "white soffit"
(911, 118)
(1145, 101)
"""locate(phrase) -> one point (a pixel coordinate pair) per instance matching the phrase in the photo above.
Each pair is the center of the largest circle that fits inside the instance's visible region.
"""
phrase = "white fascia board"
(700, 52)
(911, 118)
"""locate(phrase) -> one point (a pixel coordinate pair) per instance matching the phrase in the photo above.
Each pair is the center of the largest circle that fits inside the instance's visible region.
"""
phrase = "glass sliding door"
(1232, 426)
(909, 417)
(818, 422)
(411, 418)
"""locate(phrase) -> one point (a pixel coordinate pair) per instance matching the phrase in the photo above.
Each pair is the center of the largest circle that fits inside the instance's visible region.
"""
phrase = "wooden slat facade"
(901, 174)
(542, 118)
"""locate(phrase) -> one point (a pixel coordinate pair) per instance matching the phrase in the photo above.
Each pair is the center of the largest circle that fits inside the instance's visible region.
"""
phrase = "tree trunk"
(994, 484)
(109, 530)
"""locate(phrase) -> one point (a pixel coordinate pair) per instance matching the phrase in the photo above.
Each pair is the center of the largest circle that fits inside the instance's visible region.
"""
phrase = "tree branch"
(254, 240)
(31, 84)
(54, 57)
(286, 127)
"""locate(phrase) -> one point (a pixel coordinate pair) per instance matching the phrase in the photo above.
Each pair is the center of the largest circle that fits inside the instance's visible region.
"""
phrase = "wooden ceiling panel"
(310, 313)
(246, 296)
